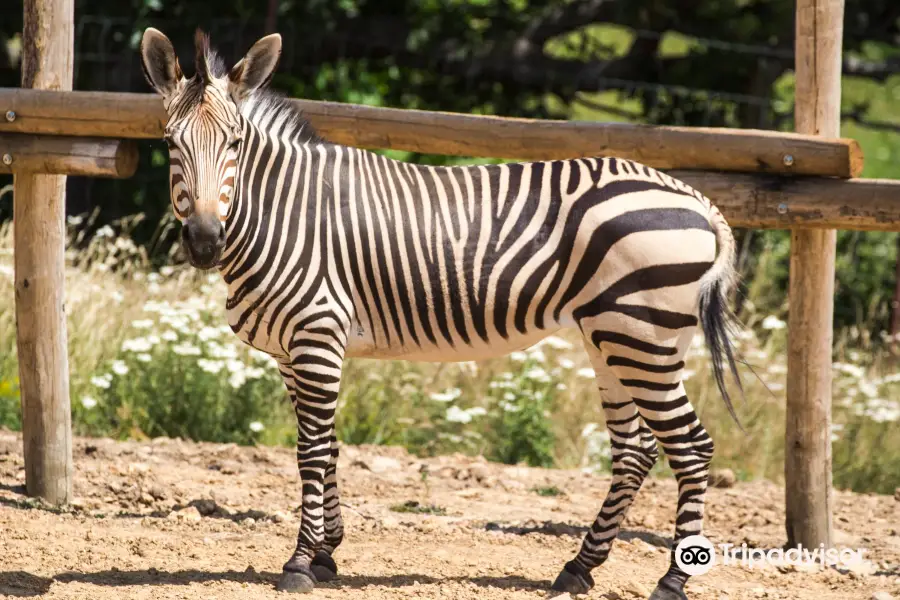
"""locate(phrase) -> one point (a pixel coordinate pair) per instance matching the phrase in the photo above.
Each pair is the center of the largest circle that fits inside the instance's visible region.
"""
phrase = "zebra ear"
(160, 63)
(256, 68)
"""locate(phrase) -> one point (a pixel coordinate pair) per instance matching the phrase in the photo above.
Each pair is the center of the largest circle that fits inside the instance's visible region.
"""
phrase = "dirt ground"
(172, 519)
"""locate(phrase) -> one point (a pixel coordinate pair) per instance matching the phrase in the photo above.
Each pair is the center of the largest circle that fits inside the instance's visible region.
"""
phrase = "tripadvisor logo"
(696, 555)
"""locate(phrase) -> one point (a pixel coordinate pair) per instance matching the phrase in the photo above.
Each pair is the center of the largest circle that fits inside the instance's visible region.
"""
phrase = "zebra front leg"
(313, 380)
(634, 453)
(323, 565)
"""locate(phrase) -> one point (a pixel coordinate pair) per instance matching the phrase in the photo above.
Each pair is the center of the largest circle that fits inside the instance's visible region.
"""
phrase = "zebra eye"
(235, 142)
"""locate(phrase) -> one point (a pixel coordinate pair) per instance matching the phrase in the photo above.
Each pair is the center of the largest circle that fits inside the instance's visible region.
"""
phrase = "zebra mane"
(282, 115)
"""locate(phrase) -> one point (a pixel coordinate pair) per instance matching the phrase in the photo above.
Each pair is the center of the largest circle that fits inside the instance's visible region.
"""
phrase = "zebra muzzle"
(203, 238)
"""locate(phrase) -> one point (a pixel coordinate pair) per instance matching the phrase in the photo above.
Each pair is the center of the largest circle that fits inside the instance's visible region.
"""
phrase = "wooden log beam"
(808, 490)
(92, 157)
(39, 214)
(811, 203)
(142, 116)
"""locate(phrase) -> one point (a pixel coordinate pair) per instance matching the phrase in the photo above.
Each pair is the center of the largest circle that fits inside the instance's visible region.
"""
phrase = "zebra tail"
(718, 321)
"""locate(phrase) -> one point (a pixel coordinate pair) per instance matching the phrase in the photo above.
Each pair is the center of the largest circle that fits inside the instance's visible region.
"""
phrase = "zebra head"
(204, 132)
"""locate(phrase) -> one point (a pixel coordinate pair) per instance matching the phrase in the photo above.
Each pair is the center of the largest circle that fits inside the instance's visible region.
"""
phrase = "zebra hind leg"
(651, 372)
(323, 565)
(634, 453)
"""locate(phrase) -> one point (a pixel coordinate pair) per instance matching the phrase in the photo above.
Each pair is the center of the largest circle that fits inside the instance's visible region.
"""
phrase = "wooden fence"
(759, 179)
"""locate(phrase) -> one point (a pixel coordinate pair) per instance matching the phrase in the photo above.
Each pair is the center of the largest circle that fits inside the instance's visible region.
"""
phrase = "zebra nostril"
(221, 240)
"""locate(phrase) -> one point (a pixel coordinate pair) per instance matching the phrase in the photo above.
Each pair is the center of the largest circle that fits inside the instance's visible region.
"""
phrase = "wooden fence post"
(39, 220)
(808, 494)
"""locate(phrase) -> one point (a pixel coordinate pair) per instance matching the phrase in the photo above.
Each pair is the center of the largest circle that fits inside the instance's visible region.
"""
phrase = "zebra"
(331, 252)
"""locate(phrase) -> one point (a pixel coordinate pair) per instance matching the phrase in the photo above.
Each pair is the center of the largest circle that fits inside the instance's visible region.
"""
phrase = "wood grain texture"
(142, 116)
(91, 157)
(39, 238)
(812, 203)
(808, 460)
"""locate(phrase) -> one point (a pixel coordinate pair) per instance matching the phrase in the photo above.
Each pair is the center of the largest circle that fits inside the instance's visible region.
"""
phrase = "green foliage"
(414, 507)
(10, 409)
(547, 490)
(178, 378)
(521, 429)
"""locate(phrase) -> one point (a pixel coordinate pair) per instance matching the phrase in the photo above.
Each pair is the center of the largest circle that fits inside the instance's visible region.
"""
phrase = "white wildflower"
(254, 373)
(537, 355)
(142, 323)
(868, 388)
(776, 369)
(237, 379)
(227, 351)
(210, 366)
(256, 426)
(457, 415)
(518, 356)
(447, 396)
(509, 407)
(565, 363)
(208, 333)
(687, 374)
(153, 277)
(501, 385)
(470, 365)
(557, 343)
(260, 355)
(105, 231)
(88, 402)
(561, 387)
(144, 357)
(186, 349)
(166, 271)
(587, 373)
(476, 411)
(75, 220)
(588, 429)
(102, 381)
(169, 336)
(119, 367)
(772, 322)
(137, 345)
(537, 374)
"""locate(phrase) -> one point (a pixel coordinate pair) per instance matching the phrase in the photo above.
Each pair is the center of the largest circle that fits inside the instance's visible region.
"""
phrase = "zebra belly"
(362, 345)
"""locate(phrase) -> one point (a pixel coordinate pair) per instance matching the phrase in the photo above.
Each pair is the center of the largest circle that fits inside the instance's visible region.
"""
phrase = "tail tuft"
(718, 321)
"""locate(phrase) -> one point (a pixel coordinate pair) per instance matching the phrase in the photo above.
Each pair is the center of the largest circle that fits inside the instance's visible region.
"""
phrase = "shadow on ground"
(22, 584)
(567, 529)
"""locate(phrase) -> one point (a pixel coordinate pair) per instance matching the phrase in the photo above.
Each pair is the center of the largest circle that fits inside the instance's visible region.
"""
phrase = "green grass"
(414, 507)
(547, 491)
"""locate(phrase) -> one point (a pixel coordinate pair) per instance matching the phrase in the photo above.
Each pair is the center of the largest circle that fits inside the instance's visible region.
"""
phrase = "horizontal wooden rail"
(742, 150)
(55, 155)
(778, 202)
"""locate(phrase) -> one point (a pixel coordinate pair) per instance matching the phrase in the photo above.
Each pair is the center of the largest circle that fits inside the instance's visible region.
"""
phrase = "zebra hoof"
(323, 567)
(299, 581)
(573, 579)
(667, 591)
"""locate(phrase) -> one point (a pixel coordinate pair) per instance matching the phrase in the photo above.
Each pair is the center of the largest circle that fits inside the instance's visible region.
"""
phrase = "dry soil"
(174, 519)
